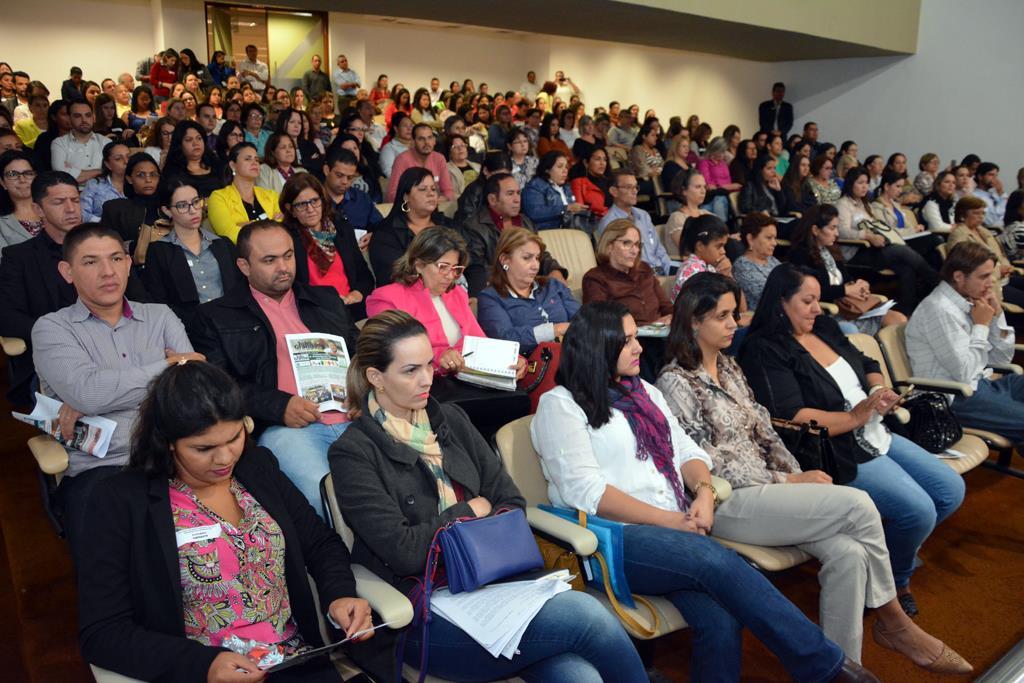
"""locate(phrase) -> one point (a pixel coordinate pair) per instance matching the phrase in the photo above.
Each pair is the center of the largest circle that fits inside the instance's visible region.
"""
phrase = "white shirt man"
(565, 88)
(530, 88)
(252, 71)
(80, 152)
(435, 90)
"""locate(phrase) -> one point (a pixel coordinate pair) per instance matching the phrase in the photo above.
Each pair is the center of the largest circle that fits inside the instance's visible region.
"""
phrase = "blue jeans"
(913, 491)
(719, 206)
(995, 406)
(573, 639)
(302, 454)
(718, 594)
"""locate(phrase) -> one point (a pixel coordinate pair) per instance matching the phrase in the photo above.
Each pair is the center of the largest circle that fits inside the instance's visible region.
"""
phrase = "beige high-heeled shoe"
(946, 662)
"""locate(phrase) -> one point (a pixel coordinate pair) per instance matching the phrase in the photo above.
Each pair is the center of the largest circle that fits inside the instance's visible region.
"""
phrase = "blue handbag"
(477, 552)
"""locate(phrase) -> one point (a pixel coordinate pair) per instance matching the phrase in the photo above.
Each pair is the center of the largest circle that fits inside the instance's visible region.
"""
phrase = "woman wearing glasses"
(326, 253)
(18, 220)
(189, 266)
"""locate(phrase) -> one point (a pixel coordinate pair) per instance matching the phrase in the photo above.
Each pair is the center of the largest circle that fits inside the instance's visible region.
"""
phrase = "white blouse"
(579, 461)
(874, 432)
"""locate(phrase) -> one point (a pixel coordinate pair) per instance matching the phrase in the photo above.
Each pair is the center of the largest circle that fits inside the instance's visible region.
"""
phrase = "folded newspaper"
(92, 434)
(320, 363)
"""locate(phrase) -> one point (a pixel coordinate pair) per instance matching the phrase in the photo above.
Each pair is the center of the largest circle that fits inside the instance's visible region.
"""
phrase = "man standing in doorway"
(253, 71)
(315, 82)
(346, 83)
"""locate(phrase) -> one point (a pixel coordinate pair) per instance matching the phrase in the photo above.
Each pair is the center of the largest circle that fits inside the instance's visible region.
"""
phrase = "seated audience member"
(189, 266)
(701, 248)
(327, 253)
(680, 158)
(97, 356)
(308, 156)
(802, 367)
(897, 163)
(589, 139)
(690, 189)
(623, 188)
(990, 191)
(970, 214)
(609, 445)
(483, 231)
(80, 152)
(110, 185)
(415, 211)
(31, 127)
(916, 277)
(840, 526)
(521, 304)
(644, 158)
(18, 218)
(842, 167)
(57, 124)
(774, 146)
(751, 270)
(820, 187)
(472, 198)
(279, 163)
(550, 140)
(461, 171)
(243, 201)
(937, 209)
(887, 208)
(425, 285)
(763, 190)
(622, 276)
(1012, 237)
(928, 167)
(401, 101)
(399, 140)
(107, 123)
(137, 218)
(524, 164)
(192, 468)
(793, 182)
(189, 158)
(742, 165)
(421, 155)
(498, 132)
(814, 247)
(369, 179)
(958, 330)
(253, 119)
(206, 117)
(591, 188)
(410, 465)
(231, 133)
(243, 332)
(547, 199)
(141, 112)
(567, 127)
(348, 203)
(875, 165)
(157, 139)
(716, 174)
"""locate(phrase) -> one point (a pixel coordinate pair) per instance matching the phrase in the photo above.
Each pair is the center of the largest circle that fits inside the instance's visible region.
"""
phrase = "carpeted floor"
(969, 591)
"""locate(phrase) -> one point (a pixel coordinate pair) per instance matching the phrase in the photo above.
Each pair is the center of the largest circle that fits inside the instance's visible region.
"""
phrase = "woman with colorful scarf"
(409, 465)
(610, 446)
(326, 248)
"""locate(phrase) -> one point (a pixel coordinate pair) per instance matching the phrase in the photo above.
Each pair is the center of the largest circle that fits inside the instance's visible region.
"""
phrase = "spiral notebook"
(490, 362)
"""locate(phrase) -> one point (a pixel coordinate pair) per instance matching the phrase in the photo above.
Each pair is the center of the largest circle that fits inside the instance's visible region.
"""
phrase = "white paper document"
(652, 330)
(92, 434)
(320, 363)
(497, 616)
(490, 362)
(909, 235)
(879, 311)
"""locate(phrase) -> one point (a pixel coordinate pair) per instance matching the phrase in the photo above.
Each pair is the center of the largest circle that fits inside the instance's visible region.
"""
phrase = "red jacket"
(161, 74)
(590, 195)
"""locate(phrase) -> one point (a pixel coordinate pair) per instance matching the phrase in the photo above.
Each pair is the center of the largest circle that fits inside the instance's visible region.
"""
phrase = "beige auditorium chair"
(574, 250)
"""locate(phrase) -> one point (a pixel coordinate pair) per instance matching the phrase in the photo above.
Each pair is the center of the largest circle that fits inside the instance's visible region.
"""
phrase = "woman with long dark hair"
(189, 157)
(109, 185)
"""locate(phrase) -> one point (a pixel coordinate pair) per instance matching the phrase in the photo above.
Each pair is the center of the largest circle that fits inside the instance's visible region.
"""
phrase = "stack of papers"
(652, 330)
(91, 433)
(496, 616)
(490, 362)
(879, 310)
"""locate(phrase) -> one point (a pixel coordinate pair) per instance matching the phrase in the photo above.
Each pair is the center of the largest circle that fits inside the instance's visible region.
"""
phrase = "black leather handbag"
(932, 424)
(811, 446)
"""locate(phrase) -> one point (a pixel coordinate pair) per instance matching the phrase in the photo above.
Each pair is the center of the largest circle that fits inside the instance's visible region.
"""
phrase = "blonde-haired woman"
(620, 275)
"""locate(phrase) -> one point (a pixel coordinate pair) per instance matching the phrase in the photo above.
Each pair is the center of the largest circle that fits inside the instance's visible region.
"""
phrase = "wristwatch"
(707, 485)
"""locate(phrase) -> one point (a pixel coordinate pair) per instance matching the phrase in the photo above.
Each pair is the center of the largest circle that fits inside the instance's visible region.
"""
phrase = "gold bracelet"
(706, 485)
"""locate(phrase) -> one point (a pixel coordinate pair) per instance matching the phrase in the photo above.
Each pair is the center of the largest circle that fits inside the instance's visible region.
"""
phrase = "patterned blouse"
(728, 423)
(823, 195)
(233, 584)
(752, 277)
(690, 266)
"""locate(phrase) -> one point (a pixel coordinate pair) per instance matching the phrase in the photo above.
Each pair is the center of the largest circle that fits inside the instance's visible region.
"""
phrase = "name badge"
(197, 534)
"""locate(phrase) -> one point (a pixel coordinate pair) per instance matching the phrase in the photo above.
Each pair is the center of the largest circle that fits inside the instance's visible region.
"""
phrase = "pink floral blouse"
(233, 584)
(690, 266)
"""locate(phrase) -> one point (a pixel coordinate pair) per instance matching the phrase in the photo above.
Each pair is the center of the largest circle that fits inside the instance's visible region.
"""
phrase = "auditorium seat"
(574, 250)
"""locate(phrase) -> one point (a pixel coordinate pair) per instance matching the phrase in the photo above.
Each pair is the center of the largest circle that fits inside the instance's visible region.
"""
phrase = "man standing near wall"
(315, 82)
(253, 71)
(776, 115)
(346, 82)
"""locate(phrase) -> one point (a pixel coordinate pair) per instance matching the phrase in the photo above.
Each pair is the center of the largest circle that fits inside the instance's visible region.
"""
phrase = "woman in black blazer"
(325, 253)
(178, 270)
(200, 538)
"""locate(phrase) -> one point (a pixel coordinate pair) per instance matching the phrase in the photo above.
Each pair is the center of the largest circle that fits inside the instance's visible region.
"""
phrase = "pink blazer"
(415, 300)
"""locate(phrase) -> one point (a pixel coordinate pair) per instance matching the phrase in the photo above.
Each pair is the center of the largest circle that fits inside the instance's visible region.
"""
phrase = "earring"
(405, 207)
(504, 267)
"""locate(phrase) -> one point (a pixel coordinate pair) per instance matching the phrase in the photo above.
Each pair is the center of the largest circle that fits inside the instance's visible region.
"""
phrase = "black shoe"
(908, 604)
(852, 672)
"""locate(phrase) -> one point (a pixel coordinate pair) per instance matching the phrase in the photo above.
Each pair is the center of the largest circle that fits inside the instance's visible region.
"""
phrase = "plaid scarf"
(652, 432)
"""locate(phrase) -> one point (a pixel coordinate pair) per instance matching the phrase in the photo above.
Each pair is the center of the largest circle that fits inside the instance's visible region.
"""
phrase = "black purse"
(811, 446)
(932, 424)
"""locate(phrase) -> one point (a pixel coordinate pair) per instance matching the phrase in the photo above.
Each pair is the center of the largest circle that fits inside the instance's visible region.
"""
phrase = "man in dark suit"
(775, 115)
(243, 332)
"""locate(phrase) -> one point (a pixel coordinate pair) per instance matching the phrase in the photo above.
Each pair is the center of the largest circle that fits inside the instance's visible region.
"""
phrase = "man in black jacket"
(775, 115)
(482, 230)
(244, 333)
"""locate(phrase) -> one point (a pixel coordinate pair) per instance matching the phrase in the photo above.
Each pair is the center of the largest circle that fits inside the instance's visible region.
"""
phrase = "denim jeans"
(718, 594)
(995, 406)
(913, 491)
(302, 454)
(719, 206)
(573, 639)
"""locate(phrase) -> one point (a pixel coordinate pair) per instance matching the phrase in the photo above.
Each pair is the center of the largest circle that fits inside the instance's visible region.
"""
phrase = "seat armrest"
(853, 243)
(1011, 368)
(722, 487)
(13, 346)
(902, 415)
(51, 457)
(829, 308)
(582, 541)
(386, 600)
(941, 385)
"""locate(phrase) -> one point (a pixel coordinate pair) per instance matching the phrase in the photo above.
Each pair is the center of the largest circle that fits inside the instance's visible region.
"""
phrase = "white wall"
(961, 93)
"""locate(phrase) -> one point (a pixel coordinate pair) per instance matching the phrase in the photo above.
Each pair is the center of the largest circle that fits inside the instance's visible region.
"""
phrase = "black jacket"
(766, 116)
(471, 200)
(786, 378)
(169, 281)
(129, 588)
(799, 256)
(125, 216)
(391, 237)
(356, 269)
(481, 235)
(753, 199)
(234, 334)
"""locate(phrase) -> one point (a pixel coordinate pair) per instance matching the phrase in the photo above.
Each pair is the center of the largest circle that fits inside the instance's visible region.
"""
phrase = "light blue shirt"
(653, 252)
(995, 206)
(346, 76)
(97, 192)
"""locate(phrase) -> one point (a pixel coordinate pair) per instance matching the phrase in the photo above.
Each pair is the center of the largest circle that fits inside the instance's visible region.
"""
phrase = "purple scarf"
(652, 432)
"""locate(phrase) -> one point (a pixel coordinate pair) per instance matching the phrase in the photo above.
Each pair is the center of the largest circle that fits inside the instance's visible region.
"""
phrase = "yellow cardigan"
(227, 214)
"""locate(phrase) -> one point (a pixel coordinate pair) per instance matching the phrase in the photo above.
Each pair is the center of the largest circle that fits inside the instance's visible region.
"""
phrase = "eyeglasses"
(446, 268)
(16, 175)
(188, 207)
(308, 205)
(628, 244)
